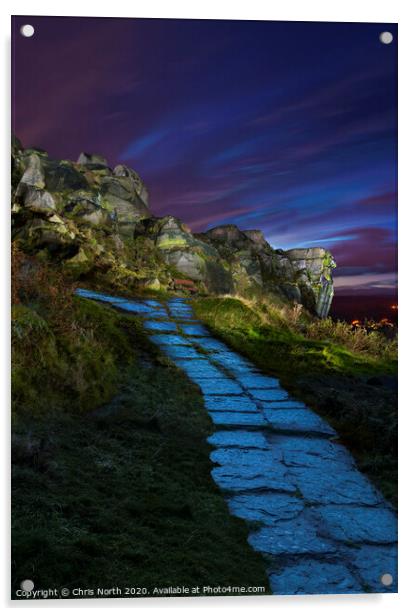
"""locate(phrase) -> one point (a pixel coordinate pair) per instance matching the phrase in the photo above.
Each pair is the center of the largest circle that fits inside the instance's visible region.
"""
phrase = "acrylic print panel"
(204, 308)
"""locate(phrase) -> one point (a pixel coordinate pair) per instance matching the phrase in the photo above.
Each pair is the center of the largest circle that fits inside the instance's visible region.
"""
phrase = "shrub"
(357, 339)
(66, 351)
(43, 287)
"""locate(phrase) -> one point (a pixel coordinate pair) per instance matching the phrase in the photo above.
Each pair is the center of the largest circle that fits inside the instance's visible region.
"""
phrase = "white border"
(304, 10)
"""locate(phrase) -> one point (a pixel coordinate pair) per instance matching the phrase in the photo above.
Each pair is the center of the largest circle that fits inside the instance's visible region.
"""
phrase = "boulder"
(188, 255)
(52, 234)
(153, 284)
(247, 255)
(123, 171)
(86, 159)
(139, 186)
(225, 234)
(93, 162)
(33, 175)
(123, 188)
(312, 271)
(119, 196)
(187, 263)
(257, 237)
(230, 236)
(30, 190)
(171, 234)
(302, 275)
(85, 208)
(39, 201)
(62, 176)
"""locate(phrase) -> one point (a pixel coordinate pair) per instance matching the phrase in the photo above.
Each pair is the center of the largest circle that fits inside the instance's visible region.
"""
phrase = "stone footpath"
(320, 524)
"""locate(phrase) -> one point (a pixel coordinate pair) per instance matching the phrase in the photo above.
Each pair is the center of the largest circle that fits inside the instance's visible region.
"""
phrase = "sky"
(287, 127)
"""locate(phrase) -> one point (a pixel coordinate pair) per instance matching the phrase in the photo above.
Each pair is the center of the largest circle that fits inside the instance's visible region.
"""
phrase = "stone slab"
(282, 405)
(181, 352)
(329, 484)
(167, 339)
(372, 562)
(134, 307)
(211, 344)
(359, 524)
(199, 368)
(237, 419)
(242, 478)
(270, 395)
(313, 577)
(321, 454)
(238, 438)
(291, 537)
(298, 420)
(265, 507)
(219, 387)
(194, 330)
(230, 403)
(160, 326)
(258, 460)
(259, 381)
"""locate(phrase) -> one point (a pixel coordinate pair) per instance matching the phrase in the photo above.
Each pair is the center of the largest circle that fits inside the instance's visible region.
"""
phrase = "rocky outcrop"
(302, 275)
(311, 269)
(188, 255)
(59, 185)
(97, 222)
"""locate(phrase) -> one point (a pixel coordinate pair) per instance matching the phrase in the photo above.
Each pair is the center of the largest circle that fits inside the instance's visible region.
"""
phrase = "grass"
(301, 345)
(77, 370)
(120, 495)
(65, 353)
(344, 375)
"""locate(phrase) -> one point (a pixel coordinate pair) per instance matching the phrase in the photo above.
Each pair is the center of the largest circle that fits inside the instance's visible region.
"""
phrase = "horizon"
(267, 125)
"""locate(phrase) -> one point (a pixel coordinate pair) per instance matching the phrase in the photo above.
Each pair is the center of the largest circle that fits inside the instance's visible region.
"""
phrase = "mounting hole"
(27, 30)
(386, 579)
(386, 38)
(27, 585)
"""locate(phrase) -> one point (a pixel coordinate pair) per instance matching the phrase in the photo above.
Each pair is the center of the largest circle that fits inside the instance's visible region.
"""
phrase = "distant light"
(394, 307)
(385, 321)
